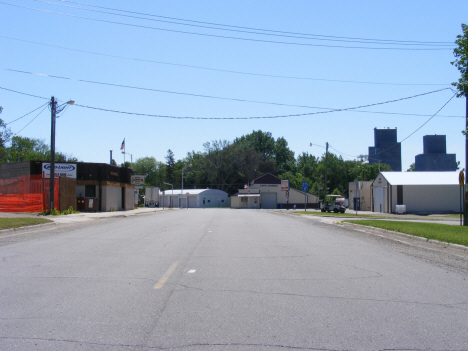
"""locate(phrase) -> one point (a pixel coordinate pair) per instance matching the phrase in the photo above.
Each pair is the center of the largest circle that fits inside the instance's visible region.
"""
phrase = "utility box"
(87, 204)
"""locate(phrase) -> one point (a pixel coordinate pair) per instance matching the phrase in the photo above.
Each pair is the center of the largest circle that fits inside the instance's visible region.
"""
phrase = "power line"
(18, 92)
(32, 119)
(223, 70)
(257, 29)
(225, 36)
(220, 97)
(27, 114)
(220, 118)
(251, 30)
(391, 147)
(257, 117)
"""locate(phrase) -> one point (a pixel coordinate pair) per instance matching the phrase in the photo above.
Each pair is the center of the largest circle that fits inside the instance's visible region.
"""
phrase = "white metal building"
(194, 198)
(434, 192)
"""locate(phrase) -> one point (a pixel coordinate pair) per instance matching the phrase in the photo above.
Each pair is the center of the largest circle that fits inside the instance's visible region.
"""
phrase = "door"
(379, 200)
(268, 200)
(193, 202)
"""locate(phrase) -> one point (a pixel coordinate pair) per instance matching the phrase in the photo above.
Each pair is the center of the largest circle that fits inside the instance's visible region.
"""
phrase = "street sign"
(461, 178)
(305, 186)
(287, 193)
(284, 185)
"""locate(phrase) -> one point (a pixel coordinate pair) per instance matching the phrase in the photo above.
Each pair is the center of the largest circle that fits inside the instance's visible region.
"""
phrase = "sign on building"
(284, 185)
(61, 170)
(138, 179)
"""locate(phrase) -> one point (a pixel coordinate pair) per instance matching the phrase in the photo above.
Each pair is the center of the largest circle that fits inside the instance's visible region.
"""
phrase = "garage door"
(193, 201)
(268, 200)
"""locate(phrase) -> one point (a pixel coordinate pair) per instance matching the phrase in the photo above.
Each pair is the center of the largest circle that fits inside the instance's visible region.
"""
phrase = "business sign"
(61, 170)
(138, 179)
(284, 185)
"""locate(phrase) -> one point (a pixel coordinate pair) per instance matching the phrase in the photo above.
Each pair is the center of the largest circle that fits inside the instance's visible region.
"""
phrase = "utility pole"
(53, 110)
(465, 208)
(326, 170)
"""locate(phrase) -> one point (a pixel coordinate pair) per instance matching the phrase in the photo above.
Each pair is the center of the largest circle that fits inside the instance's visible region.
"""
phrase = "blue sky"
(149, 67)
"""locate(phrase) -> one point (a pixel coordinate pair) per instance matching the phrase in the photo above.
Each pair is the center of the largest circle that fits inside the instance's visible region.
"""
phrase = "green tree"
(151, 169)
(262, 142)
(284, 157)
(412, 168)
(170, 167)
(31, 149)
(461, 61)
(5, 134)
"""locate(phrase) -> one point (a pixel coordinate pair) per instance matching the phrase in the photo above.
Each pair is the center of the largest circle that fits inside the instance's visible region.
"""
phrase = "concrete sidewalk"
(87, 216)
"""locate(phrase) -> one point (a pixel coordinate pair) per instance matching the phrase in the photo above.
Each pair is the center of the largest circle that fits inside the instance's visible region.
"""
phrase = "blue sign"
(305, 186)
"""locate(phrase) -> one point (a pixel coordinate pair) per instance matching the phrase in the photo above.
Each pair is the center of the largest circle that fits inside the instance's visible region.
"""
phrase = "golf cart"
(332, 205)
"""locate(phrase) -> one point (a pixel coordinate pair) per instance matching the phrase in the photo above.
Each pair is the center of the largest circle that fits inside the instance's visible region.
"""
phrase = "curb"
(27, 227)
(374, 231)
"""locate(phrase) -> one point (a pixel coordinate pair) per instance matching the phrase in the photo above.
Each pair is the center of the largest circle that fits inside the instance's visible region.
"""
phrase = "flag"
(123, 145)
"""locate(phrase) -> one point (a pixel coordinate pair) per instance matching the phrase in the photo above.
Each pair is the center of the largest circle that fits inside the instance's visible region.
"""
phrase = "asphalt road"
(220, 279)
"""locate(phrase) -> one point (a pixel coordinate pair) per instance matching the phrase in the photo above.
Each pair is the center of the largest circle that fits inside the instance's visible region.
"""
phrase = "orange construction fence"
(27, 194)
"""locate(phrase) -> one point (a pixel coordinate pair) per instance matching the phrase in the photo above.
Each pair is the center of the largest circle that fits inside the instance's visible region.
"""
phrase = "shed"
(433, 192)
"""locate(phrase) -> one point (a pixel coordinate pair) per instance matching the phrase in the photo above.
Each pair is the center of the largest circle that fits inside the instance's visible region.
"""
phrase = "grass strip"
(13, 223)
(333, 214)
(442, 232)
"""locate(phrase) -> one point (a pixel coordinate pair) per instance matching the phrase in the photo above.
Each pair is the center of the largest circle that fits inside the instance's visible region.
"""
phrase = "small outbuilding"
(360, 198)
(432, 192)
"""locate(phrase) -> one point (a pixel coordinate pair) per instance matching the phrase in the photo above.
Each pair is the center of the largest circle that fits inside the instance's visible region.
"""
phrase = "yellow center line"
(166, 276)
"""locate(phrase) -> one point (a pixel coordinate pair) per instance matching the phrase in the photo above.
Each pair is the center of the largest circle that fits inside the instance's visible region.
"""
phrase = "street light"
(131, 158)
(172, 190)
(54, 109)
(182, 190)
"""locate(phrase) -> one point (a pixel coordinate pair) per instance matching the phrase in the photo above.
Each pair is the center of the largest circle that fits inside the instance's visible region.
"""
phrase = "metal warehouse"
(194, 198)
(433, 192)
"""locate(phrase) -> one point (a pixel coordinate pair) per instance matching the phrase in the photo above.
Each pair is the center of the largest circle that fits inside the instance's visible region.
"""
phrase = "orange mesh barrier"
(26, 194)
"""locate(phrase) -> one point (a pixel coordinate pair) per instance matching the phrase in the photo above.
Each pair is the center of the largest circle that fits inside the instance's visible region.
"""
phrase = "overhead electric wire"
(251, 31)
(220, 97)
(251, 28)
(253, 117)
(19, 92)
(224, 70)
(26, 113)
(224, 36)
(31, 120)
(435, 114)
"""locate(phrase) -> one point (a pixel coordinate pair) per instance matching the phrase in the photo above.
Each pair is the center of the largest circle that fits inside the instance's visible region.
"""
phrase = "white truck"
(152, 196)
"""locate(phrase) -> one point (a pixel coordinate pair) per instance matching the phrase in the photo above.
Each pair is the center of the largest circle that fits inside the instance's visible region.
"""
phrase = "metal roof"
(421, 178)
(195, 192)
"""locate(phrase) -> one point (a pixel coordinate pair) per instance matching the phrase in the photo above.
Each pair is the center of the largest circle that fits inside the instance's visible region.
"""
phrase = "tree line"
(229, 165)
(224, 165)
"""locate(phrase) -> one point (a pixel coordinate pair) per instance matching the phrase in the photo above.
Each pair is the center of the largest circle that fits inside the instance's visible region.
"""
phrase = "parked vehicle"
(333, 205)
